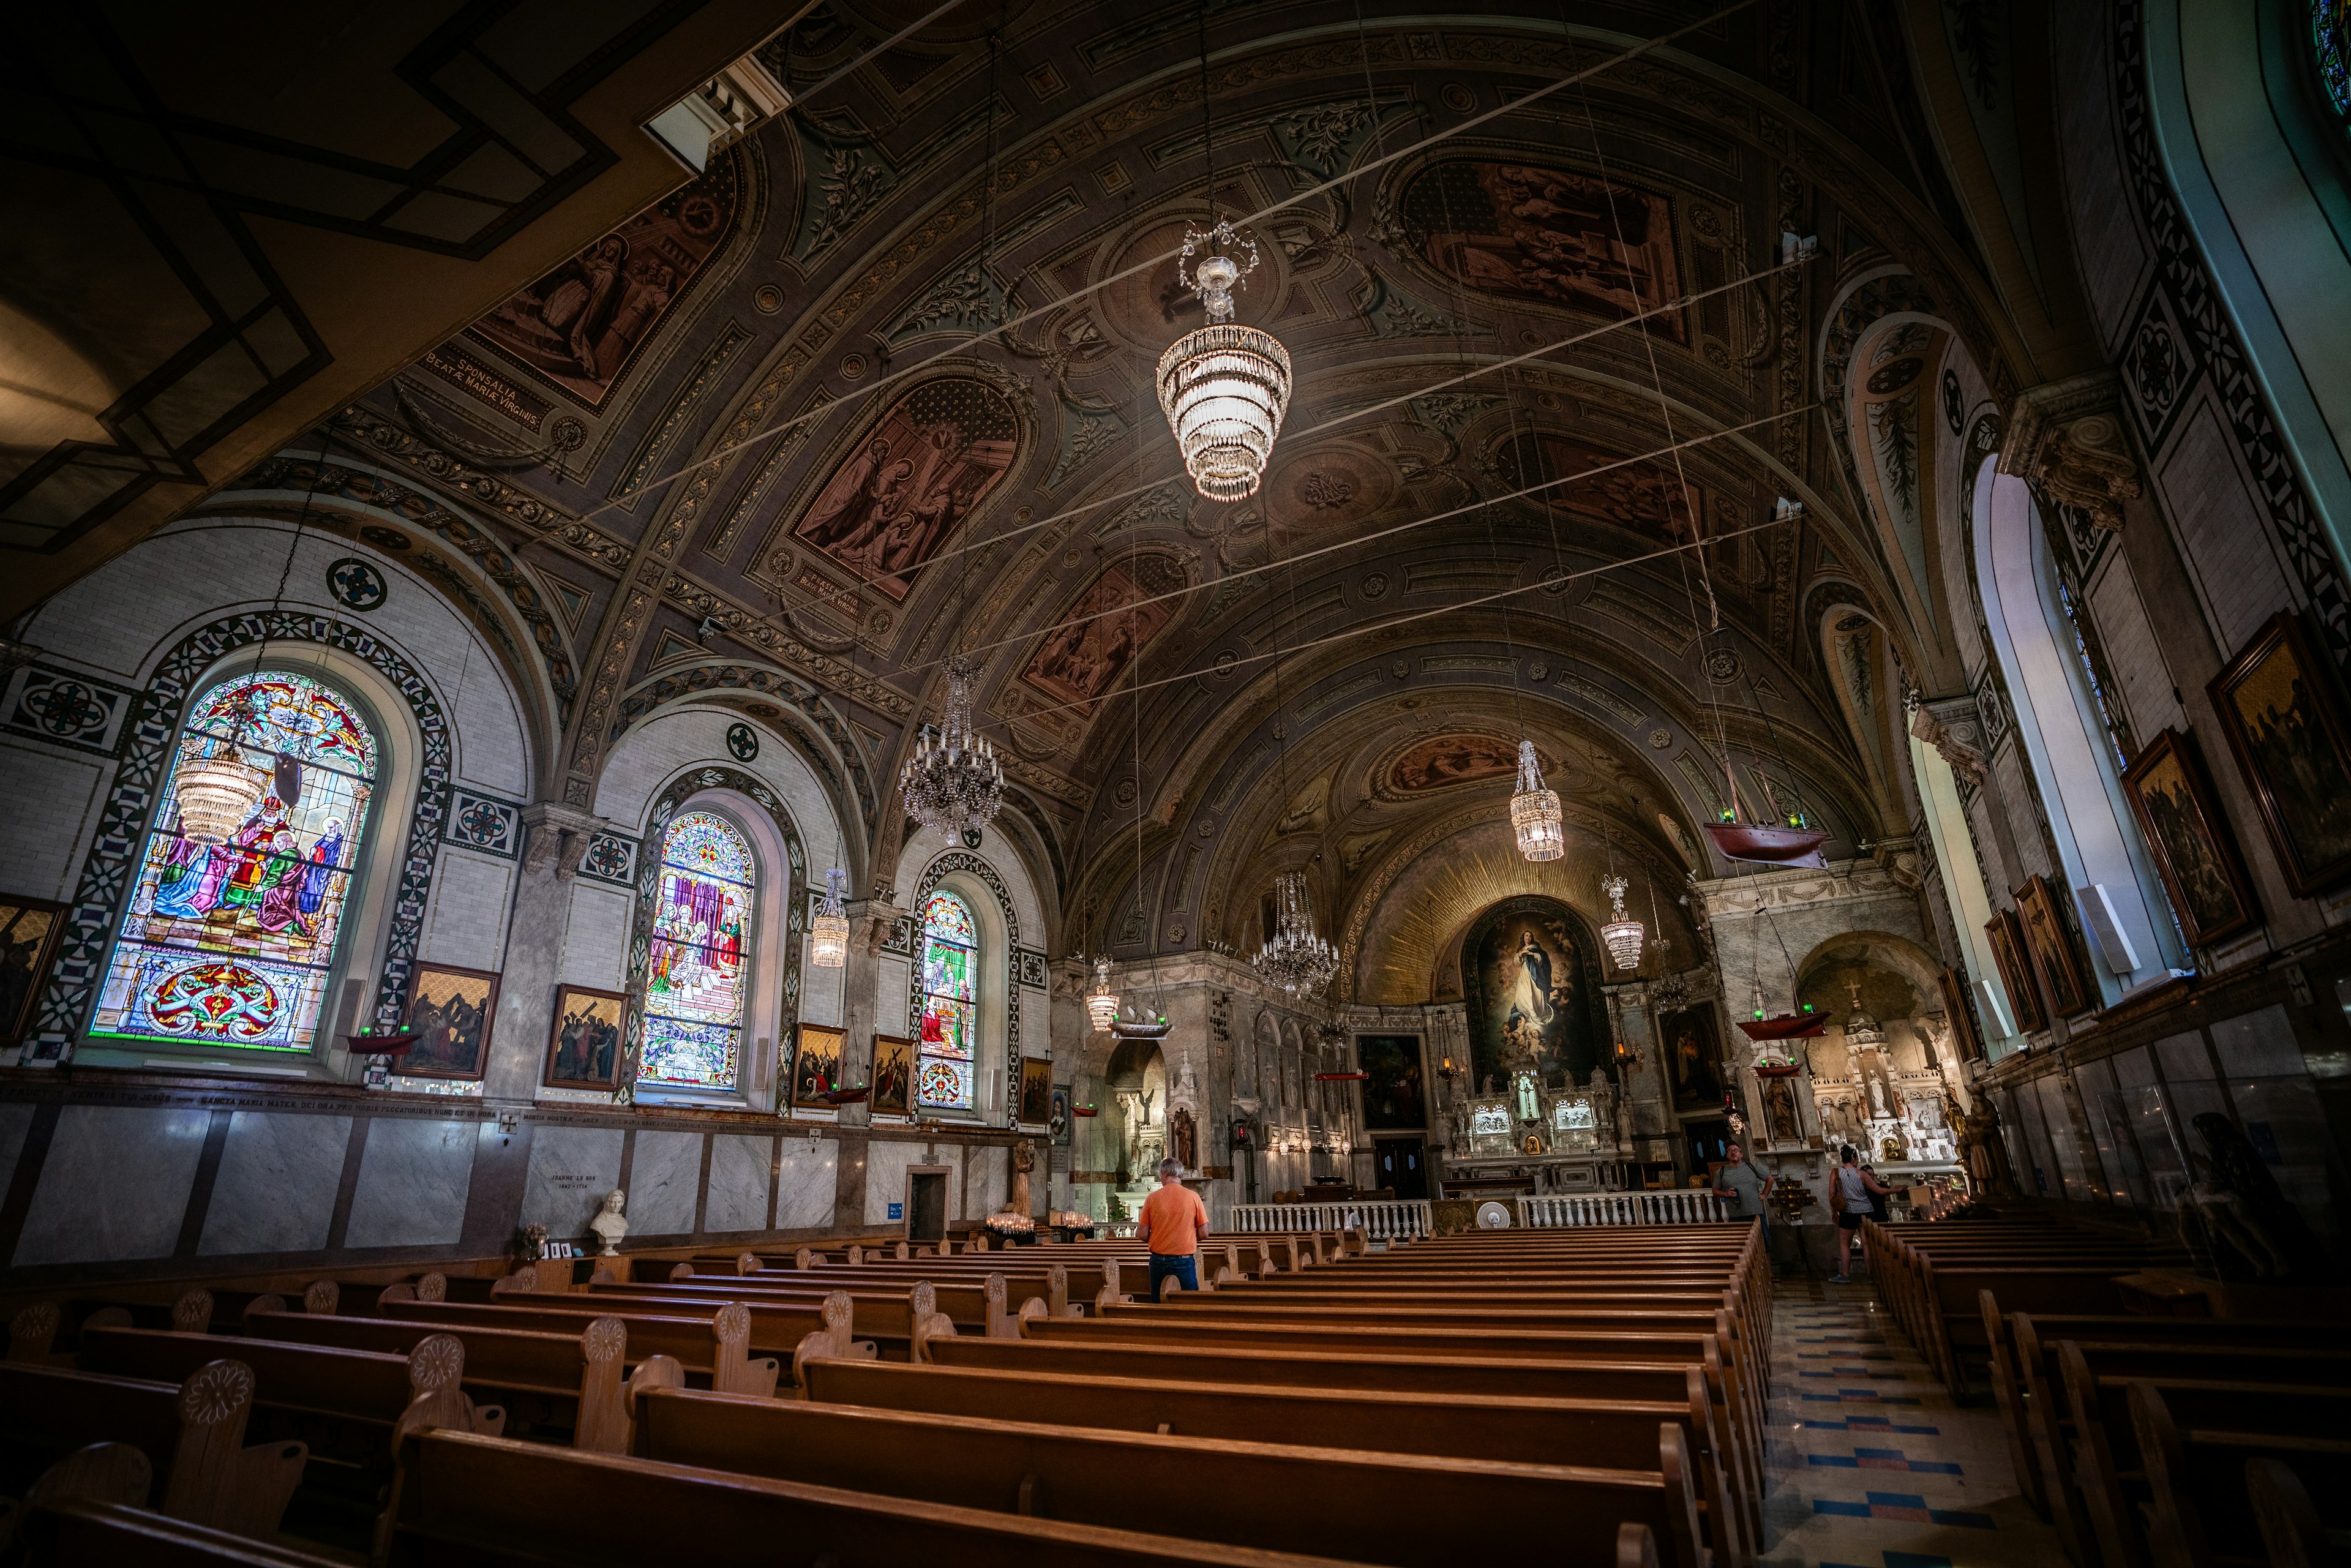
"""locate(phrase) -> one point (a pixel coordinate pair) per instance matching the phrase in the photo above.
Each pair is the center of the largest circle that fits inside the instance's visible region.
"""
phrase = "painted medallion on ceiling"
(1442, 761)
(1097, 637)
(912, 480)
(581, 325)
(1548, 237)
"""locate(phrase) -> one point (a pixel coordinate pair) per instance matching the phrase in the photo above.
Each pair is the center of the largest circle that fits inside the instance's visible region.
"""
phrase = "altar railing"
(1676, 1206)
(1380, 1219)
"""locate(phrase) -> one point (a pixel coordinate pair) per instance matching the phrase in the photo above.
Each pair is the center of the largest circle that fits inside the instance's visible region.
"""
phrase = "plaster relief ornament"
(608, 1227)
(1224, 386)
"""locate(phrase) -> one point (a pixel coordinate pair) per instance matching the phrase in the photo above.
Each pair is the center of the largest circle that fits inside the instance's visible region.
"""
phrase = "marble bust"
(608, 1225)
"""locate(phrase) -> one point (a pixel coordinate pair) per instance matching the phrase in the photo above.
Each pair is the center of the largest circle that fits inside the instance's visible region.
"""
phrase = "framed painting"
(816, 1066)
(2007, 935)
(1060, 1123)
(2173, 801)
(894, 1074)
(450, 1009)
(583, 1047)
(1965, 1041)
(29, 929)
(1393, 1096)
(1036, 1091)
(2052, 949)
(2285, 723)
(1693, 1057)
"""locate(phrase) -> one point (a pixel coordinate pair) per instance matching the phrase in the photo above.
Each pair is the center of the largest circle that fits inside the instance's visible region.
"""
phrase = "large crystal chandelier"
(1102, 1002)
(828, 932)
(219, 793)
(1224, 386)
(954, 783)
(1623, 934)
(1295, 958)
(1534, 811)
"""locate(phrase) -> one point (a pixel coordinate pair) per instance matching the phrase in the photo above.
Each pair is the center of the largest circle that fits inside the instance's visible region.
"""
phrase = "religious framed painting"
(1060, 1125)
(816, 1066)
(894, 1074)
(2286, 723)
(1394, 1099)
(2007, 936)
(2051, 946)
(1965, 1041)
(451, 1011)
(1693, 1058)
(2173, 801)
(583, 1046)
(29, 929)
(1036, 1091)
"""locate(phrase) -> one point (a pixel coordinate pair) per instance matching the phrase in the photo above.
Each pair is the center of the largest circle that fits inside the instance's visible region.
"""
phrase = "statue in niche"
(1184, 1138)
(1530, 1109)
(1024, 1161)
(608, 1227)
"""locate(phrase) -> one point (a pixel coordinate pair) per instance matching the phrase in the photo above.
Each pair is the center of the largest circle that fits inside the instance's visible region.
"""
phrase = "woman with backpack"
(1854, 1195)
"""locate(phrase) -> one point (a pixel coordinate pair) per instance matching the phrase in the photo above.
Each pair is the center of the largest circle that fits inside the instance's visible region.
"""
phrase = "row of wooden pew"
(1595, 1396)
(2165, 1441)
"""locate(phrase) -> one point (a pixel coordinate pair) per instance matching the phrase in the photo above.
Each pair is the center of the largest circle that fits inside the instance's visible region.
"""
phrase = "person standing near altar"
(1172, 1222)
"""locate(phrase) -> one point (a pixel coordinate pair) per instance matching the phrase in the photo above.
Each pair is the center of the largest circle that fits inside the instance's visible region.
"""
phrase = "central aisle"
(1870, 1463)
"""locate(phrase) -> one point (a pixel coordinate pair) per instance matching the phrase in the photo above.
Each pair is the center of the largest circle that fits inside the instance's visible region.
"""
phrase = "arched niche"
(1531, 976)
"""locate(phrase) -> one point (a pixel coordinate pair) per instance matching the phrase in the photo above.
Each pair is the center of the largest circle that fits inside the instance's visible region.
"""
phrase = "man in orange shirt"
(1173, 1221)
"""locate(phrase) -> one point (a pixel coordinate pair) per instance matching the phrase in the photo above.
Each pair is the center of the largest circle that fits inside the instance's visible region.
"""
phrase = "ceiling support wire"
(960, 345)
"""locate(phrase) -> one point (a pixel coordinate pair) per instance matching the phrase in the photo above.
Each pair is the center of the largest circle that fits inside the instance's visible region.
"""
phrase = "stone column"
(557, 837)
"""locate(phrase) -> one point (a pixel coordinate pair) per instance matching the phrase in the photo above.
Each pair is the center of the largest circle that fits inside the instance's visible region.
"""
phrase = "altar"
(1538, 1139)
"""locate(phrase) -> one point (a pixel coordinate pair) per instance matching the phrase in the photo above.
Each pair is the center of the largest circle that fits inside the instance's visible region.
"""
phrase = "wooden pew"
(1494, 1427)
(207, 1474)
(575, 1377)
(488, 1501)
(1240, 1493)
(715, 1342)
(990, 1305)
(74, 1531)
(2202, 1512)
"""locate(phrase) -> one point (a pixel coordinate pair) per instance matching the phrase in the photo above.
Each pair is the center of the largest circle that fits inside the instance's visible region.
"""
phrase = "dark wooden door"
(926, 1214)
(1403, 1166)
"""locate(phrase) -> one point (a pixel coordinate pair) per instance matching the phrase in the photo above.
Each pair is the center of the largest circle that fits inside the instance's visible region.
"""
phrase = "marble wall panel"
(115, 1185)
(806, 1183)
(571, 1169)
(16, 1121)
(987, 1180)
(665, 1179)
(741, 1171)
(885, 1177)
(275, 1189)
(413, 1178)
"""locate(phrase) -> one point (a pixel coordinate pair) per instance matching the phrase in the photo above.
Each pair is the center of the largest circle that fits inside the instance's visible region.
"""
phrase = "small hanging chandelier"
(1623, 934)
(956, 783)
(828, 932)
(1534, 811)
(1224, 386)
(1102, 1002)
(219, 793)
(1295, 958)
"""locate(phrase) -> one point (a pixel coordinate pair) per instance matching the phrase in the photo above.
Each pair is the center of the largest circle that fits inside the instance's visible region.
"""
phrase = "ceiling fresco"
(879, 390)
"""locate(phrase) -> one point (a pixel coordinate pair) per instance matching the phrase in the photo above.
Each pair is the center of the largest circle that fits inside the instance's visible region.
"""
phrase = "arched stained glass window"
(2330, 39)
(948, 1035)
(230, 944)
(693, 976)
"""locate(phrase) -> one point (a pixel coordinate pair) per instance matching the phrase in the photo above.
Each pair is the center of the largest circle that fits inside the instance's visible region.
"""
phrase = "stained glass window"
(947, 1037)
(694, 979)
(230, 944)
(2330, 39)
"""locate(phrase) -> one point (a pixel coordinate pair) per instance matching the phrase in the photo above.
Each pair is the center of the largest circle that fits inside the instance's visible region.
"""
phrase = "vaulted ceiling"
(877, 389)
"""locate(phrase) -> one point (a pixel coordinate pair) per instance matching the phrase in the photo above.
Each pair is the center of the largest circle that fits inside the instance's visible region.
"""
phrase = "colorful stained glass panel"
(941, 1085)
(944, 1038)
(694, 968)
(946, 1029)
(269, 901)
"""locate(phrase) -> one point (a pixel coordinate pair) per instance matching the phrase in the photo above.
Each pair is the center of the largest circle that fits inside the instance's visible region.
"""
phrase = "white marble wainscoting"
(276, 1191)
(571, 1169)
(664, 1184)
(886, 1175)
(415, 1177)
(115, 1185)
(742, 1173)
(807, 1177)
(987, 1181)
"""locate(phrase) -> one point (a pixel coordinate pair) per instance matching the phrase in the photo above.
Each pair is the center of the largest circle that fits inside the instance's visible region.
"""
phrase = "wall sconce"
(1627, 1057)
(1447, 1072)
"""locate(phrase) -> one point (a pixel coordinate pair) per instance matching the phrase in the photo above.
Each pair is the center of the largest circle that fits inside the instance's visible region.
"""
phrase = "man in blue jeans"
(1172, 1223)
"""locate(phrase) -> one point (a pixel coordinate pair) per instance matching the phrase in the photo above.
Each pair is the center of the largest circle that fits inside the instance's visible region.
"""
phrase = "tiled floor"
(1871, 1464)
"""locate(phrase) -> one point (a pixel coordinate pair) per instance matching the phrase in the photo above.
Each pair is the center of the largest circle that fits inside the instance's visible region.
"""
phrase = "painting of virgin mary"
(1532, 993)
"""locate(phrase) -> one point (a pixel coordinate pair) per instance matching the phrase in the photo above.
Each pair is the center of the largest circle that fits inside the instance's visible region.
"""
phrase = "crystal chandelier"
(1224, 386)
(1534, 811)
(1102, 1002)
(828, 932)
(1623, 934)
(219, 793)
(955, 783)
(1295, 958)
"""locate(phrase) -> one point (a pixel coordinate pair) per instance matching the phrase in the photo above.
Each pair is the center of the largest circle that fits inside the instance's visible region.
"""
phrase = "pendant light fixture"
(1224, 386)
(1534, 811)
(1295, 958)
(1623, 934)
(956, 783)
(828, 932)
(1102, 1002)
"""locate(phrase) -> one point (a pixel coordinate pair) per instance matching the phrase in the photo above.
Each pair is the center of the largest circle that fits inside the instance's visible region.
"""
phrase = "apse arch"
(2074, 760)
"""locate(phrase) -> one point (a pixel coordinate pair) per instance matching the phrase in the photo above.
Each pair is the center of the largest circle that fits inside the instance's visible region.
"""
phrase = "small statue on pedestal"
(608, 1226)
